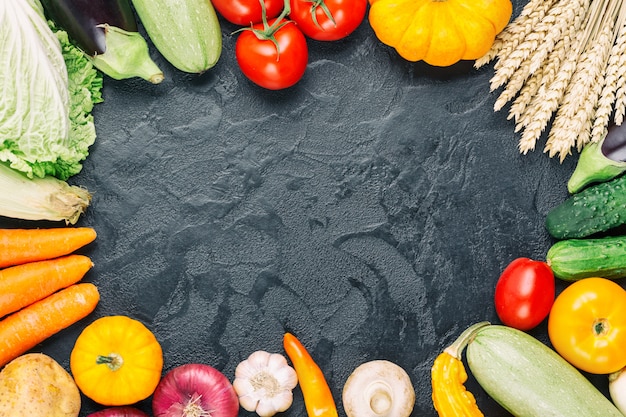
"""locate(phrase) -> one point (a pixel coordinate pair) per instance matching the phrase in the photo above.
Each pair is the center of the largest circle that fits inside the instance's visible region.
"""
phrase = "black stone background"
(369, 210)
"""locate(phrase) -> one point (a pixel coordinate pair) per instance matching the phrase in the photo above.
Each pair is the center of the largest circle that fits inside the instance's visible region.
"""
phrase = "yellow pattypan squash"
(439, 32)
(116, 360)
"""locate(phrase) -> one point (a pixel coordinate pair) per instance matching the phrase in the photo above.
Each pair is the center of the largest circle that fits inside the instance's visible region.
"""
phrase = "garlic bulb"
(264, 383)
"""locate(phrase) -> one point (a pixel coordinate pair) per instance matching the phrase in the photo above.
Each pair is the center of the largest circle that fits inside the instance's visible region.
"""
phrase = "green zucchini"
(574, 259)
(529, 379)
(595, 209)
(186, 32)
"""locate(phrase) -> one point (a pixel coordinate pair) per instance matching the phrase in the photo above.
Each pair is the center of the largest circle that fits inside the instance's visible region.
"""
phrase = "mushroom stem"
(378, 389)
(381, 400)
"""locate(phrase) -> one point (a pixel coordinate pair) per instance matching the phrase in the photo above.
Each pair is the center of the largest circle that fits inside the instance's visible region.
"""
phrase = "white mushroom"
(617, 389)
(378, 389)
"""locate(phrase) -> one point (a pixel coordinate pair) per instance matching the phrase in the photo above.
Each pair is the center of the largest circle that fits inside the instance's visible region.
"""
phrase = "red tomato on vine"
(247, 12)
(273, 55)
(327, 20)
(524, 293)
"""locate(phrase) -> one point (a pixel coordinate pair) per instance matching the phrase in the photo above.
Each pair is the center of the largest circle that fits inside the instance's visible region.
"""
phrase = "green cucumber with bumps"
(529, 379)
(575, 259)
(598, 208)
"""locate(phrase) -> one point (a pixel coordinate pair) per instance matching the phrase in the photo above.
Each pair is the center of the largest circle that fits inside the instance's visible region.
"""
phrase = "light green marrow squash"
(186, 32)
(529, 379)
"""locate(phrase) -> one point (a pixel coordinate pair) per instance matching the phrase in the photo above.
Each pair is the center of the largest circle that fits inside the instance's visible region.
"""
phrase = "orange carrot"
(18, 246)
(24, 284)
(25, 329)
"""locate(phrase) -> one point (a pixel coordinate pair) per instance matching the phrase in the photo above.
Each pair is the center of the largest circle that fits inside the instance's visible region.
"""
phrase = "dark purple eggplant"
(614, 143)
(600, 161)
(106, 31)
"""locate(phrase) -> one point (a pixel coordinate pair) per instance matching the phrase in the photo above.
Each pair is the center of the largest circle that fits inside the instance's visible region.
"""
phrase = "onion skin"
(119, 412)
(196, 390)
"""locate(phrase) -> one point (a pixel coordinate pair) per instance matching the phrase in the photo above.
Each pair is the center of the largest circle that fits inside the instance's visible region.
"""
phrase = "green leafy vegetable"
(48, 90)
(46, 198)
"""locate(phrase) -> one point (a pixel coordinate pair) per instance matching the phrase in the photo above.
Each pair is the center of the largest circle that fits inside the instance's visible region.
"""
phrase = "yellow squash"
(450, 398)
(116, 360)
(439, 32)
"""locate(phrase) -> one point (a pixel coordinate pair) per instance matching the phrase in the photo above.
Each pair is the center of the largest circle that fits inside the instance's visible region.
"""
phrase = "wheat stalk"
(608, 93)
(545, 103)
(546, 35)
(526, 93)
(573, 119)
(516, 31)
(563, 64)
(536, 86)
(620, 93)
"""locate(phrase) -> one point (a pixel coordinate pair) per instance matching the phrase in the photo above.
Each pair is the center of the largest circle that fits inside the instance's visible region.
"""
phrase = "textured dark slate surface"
(369, 209)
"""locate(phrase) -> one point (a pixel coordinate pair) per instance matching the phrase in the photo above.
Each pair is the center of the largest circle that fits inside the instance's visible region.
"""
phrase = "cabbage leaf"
(47, 92)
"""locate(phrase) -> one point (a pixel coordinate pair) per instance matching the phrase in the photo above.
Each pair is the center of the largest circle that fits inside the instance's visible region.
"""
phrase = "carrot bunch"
(40, 292)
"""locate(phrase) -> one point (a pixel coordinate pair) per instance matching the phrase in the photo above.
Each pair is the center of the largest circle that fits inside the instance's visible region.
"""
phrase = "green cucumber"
(574, 259)
(529, 379)
(186, 32)
(595, 209)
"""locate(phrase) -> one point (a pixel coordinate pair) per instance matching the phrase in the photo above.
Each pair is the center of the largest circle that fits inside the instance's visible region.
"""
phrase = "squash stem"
(113, 360)
(456, 348)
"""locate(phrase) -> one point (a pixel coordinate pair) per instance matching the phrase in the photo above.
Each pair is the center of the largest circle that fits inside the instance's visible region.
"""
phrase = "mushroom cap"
(378, 388)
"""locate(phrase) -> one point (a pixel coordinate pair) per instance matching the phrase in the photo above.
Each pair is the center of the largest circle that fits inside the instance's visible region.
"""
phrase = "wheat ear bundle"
(562, 64)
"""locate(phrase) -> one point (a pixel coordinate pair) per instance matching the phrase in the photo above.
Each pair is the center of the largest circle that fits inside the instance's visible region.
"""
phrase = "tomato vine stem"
(269, 31)
(322, 4)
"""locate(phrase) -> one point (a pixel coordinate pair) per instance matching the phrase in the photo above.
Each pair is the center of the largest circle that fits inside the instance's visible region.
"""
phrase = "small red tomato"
(524, 293)
(247, 12)
(272, 64)
(328, 20)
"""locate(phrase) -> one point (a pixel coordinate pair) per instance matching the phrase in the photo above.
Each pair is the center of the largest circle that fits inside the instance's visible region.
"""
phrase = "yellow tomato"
(587, 325)
(116, 360)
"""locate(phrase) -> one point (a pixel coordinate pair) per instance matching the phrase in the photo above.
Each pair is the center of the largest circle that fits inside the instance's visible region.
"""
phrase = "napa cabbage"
(47, 93)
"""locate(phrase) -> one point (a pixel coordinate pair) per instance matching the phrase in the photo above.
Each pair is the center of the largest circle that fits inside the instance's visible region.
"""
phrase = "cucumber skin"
(529, 379)
(595, 209)
(575, 259)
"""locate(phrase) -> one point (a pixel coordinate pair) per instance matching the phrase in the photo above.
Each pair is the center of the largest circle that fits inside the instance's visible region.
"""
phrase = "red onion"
(195, 390)
(119, 412)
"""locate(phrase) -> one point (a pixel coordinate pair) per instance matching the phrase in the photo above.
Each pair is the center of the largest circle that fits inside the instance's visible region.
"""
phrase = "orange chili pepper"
(318, 399)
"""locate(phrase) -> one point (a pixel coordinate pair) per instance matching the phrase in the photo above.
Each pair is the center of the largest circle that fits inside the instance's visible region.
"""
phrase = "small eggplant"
(600, 161)
(106, 31)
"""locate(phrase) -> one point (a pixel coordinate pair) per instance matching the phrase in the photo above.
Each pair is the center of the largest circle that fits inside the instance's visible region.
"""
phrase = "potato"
(35, 385)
